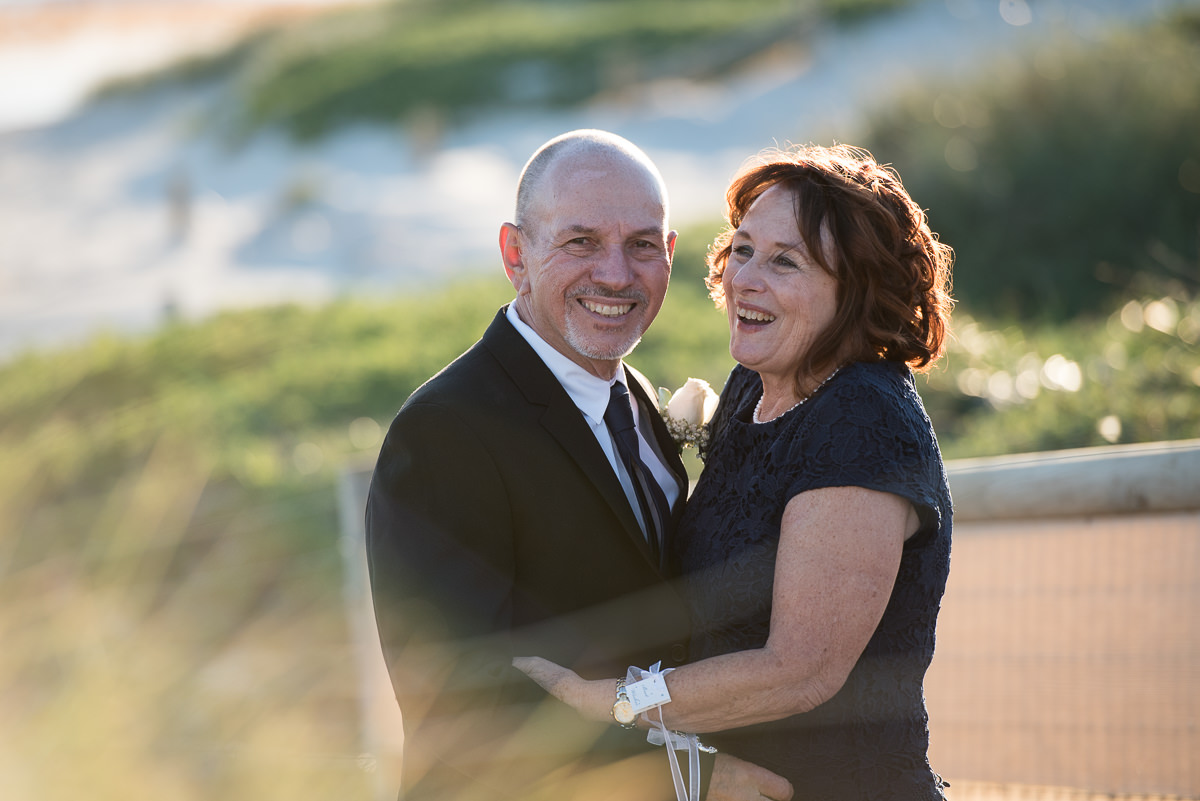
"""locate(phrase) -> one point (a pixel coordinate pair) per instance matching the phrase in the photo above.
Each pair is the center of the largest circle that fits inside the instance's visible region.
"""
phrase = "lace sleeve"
(869, 430)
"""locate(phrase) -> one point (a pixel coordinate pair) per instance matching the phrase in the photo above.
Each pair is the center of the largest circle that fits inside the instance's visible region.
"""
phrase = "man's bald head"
(580, 148)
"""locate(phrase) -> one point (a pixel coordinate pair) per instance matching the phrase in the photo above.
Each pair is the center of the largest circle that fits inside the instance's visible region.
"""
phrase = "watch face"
(623, 712)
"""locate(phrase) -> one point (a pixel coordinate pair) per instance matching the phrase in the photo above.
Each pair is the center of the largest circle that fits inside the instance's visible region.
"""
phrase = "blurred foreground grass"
(170, 581)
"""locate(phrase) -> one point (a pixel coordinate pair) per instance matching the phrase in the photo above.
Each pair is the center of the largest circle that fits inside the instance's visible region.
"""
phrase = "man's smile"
(606, 309)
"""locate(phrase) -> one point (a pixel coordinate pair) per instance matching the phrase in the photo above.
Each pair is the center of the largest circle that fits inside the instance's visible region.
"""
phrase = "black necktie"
(653, 502)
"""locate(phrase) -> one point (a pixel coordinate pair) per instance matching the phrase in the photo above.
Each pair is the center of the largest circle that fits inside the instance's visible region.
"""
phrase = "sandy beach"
(53, 54)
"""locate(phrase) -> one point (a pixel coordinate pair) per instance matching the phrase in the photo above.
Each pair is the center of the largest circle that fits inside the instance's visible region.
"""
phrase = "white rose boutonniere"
(687, 412)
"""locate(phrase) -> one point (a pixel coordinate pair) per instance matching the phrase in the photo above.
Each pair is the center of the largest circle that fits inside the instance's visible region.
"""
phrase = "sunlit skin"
(592, 262)
(778, 300)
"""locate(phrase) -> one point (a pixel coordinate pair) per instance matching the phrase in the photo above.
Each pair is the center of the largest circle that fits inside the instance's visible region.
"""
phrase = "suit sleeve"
(440, 554)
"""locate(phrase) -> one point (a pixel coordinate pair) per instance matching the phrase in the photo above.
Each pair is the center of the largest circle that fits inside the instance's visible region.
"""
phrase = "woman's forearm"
(838, 557)
(723, 692)
(744, 688)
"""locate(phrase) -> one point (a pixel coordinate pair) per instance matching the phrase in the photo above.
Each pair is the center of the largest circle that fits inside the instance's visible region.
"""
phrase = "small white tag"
(648, 693)
(679, 740)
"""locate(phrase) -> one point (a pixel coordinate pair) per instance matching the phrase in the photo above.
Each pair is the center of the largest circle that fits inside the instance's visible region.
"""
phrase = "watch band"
(622, 710)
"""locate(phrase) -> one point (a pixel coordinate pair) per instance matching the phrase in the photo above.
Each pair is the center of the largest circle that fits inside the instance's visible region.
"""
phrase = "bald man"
(502, 519)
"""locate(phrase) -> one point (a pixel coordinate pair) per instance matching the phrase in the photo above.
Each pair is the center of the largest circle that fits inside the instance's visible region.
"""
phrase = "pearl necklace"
(758, 406)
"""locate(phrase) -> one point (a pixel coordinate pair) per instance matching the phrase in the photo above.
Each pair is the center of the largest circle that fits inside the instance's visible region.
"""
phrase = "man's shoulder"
(468, 369)
(480, 365)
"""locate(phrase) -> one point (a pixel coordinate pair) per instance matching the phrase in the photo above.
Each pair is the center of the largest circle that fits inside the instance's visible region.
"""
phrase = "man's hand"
(735, 779)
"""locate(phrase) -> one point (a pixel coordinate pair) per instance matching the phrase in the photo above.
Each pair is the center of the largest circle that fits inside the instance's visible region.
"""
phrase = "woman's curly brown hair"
(893, 275)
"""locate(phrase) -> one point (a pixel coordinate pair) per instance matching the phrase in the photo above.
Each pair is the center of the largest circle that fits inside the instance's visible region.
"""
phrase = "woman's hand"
(592, 699)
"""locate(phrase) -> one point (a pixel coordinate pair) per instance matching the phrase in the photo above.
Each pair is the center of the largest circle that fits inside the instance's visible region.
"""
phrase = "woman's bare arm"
(839, 553)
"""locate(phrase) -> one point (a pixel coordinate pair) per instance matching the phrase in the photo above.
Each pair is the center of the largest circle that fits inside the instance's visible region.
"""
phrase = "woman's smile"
(753, 317)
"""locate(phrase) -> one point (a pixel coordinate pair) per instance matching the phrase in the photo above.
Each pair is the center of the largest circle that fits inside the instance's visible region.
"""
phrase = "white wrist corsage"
(687, 412)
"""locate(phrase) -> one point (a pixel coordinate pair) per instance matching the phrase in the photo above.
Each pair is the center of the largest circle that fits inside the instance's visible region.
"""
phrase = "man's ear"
(510, 252)
(671, 237)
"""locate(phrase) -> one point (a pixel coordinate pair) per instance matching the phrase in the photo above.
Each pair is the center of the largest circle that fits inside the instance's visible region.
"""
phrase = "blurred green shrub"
(1066, 180)
(431, 64)
(1133, 376)
(434, 64)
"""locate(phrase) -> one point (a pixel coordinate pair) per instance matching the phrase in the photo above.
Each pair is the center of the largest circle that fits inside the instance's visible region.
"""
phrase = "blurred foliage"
(246, 389)
(1066, 180)
(429, 64)
(170, 580)
(1133, 376)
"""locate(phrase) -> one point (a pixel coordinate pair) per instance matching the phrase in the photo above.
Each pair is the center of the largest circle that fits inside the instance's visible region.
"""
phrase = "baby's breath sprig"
(685, 434)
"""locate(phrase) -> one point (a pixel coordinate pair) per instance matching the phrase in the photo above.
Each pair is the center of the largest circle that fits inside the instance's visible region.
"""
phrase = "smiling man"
(511, 512)
(590, 254)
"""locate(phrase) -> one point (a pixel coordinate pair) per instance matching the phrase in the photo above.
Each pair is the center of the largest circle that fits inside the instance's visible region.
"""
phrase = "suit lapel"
(562, 420)
(667, 447)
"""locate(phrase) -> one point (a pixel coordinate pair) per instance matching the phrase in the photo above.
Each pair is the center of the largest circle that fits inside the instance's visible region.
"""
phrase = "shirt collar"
(589, 392)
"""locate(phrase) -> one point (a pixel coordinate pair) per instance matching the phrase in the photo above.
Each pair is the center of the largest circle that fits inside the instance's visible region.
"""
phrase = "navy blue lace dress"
(866, 428)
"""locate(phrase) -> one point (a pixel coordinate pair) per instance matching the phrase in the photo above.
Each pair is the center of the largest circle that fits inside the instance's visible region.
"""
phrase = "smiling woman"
(865, 276)
(778, 298)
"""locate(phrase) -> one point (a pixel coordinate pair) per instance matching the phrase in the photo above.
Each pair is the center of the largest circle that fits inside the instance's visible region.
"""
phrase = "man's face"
(591, 264)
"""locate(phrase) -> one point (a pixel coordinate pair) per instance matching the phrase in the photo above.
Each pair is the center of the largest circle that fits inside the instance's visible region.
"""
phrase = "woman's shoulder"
(869, 428)
(868, 400)
(889, 377)
(887, 387)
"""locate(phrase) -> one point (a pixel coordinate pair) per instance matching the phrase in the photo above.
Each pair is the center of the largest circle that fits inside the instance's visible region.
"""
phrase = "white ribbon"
(678, 741)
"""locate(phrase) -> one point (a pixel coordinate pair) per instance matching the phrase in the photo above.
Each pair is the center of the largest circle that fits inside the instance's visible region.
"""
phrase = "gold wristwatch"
(622, 710)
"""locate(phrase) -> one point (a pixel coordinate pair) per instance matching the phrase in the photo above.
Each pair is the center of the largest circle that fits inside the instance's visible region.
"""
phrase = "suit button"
(678, 653)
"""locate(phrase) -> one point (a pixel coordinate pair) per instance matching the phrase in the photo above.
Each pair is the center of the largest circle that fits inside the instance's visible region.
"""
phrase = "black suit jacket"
(496, 527)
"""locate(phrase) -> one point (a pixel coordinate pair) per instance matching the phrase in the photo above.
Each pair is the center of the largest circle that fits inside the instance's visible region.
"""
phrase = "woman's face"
(778, 299)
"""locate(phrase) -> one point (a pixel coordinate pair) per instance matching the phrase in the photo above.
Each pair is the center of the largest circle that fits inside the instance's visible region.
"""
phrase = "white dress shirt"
(591, 393)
